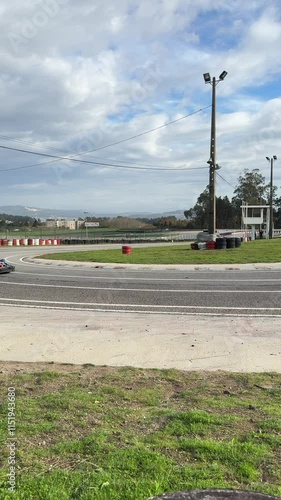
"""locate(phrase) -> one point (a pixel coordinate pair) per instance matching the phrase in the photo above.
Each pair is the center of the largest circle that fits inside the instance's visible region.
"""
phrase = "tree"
(226, 216)
(198, 215)
(251, 189)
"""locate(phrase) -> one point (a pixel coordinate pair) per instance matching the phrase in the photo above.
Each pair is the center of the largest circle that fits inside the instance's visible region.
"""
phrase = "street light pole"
(271, 160)
(212, 161)
(86, 226)
(212, 171)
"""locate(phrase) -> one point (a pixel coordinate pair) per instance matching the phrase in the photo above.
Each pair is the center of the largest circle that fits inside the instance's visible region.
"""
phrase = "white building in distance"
(65, 223)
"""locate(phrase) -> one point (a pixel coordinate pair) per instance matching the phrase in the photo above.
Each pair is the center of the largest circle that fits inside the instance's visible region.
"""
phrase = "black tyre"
(221, 243)
(230, 243)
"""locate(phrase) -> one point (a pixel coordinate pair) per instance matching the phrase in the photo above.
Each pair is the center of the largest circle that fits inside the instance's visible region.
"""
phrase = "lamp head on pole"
(223, 75)
(268, 159)
(274, 157)
(207, 77)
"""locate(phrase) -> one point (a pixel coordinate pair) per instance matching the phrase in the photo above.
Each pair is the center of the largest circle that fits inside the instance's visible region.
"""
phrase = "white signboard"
(92, 224)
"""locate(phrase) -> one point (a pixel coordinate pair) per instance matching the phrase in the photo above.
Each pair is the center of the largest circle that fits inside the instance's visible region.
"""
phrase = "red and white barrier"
(29, 242)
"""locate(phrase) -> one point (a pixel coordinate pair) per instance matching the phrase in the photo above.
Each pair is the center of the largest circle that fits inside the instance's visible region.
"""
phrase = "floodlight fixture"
(268, 159)
(212, 161)
(223, 75)
(274, 157)
(207, 77)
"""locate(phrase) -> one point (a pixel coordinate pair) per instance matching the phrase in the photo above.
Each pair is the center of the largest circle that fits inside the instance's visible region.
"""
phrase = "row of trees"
(251, 189)
(15, 221)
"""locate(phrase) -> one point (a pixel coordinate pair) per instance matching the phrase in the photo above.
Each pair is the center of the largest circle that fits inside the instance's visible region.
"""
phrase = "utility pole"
(212, 172)
(271, 160)
(212, 161)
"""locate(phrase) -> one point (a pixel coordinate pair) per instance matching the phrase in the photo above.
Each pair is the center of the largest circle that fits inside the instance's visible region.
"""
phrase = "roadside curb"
(161, 267)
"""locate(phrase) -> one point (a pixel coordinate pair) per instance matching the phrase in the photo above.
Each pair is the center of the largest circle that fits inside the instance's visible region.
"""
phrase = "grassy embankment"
(251, 252)
(125, 434)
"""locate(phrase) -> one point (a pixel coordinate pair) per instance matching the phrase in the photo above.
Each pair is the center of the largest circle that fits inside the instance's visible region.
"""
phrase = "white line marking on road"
(36, 285)
(148, 279)
(105, 304)
(124, 311)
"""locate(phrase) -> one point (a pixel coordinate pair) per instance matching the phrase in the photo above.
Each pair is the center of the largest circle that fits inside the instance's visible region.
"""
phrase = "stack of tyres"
(202, 245)
(194, 246)
(237, 242)
(230, 242)
(221, 243)
(211, 245)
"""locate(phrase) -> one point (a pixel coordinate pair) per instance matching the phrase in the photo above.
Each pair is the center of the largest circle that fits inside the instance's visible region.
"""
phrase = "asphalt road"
(188, 290)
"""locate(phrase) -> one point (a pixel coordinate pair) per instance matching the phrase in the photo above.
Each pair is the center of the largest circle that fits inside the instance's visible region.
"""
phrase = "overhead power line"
(89, 162)
(225, 180)
(148, 131)
(59, 158)
(34, 144)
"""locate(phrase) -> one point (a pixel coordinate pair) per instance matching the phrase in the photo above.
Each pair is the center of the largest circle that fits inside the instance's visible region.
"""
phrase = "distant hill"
(46, 213)
(179, 214)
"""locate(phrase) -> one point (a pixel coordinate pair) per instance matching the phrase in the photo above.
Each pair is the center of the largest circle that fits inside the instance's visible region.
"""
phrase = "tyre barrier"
(238, 242)
(28, 242)
(202, 245)
(211, 245)
(194, 246)
(221, 243)
(230, 242)
(126, 249)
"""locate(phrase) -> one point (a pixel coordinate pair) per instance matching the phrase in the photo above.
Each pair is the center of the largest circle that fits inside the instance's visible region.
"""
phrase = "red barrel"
(211, 245)
(41, 242)
(126, 249)
(21, 242)
(59, 242)
(30, 241)
(1, 242)
(5, 243)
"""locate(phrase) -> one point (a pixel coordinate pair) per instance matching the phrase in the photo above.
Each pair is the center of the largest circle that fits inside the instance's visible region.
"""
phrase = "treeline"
(15, 221)
(144, 223)
(251, 188)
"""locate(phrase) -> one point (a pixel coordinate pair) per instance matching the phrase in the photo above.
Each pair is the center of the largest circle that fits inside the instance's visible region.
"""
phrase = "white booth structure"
(256, 216)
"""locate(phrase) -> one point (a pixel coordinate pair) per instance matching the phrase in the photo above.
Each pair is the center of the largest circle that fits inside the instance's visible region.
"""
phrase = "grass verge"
(125, 434)
(263, 251)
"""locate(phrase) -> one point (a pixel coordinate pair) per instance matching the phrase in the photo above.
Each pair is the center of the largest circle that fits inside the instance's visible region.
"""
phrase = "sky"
(78, 77)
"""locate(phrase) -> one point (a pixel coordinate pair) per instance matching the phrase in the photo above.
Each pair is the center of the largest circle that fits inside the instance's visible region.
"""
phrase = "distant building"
(64, 223)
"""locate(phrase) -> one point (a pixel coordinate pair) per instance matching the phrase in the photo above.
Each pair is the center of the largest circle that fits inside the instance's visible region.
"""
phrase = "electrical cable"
(111, 165)
(34, 144)
(225, 180)
(113, 144)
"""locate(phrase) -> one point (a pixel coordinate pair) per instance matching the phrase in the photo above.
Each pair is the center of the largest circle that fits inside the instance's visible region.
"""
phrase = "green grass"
(87, 432)
(264, 251)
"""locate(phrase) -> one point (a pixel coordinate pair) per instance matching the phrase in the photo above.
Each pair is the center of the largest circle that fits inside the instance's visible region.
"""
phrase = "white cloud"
(78, 76)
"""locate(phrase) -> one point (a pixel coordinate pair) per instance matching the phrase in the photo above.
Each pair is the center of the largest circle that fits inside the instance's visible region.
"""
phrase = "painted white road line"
(124, 311)
(153, 306)
(39, 285)
(222, 280)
